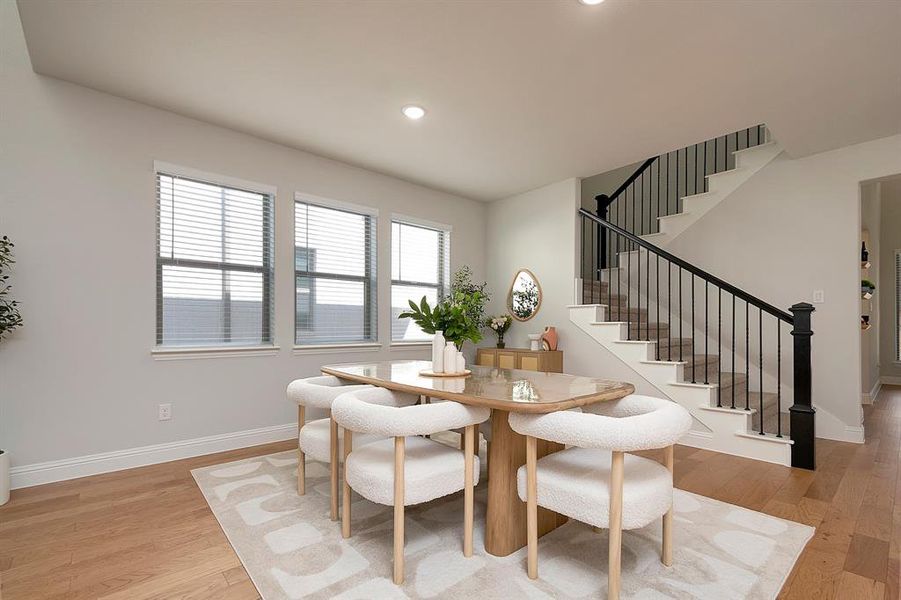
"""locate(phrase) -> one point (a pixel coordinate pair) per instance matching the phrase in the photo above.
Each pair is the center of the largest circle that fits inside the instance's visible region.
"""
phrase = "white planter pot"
(4, 477)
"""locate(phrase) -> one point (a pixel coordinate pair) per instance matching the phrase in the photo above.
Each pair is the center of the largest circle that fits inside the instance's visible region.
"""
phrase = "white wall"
(794, 228)
(537, 230)
(78, 199)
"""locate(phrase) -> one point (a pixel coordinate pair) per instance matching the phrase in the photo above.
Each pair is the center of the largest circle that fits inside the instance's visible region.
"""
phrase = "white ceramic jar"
(450, 357)
(438, 344)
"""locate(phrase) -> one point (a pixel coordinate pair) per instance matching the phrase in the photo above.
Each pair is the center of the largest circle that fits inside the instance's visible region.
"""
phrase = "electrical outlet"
(819, 296)
(165, 412)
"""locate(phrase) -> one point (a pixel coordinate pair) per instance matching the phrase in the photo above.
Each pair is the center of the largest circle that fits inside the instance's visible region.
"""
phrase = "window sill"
(411, 345)
(188, 352)
(336, 348)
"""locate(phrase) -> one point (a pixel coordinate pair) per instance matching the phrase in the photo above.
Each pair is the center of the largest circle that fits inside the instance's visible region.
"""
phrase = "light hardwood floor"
(147, 533)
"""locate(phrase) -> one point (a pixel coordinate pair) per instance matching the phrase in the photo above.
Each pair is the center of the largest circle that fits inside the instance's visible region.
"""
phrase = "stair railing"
(684, 296)
(657, 186)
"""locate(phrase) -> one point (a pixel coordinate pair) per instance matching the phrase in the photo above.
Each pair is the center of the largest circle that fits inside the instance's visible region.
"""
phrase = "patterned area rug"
(291, 548)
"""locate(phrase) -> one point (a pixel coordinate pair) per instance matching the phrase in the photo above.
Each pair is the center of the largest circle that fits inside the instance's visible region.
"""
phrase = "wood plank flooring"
(148, 533)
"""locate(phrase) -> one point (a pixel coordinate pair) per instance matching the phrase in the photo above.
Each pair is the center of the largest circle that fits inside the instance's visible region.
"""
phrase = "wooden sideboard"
(550, 361)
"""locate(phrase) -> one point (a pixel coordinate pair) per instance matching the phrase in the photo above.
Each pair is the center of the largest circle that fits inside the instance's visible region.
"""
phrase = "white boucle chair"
(594, 481)
(319, 439)
(408, 469)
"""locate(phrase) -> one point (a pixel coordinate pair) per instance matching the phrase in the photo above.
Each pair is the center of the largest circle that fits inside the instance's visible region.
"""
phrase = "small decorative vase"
(500, 341)
(461, 362)
(438, 343)
(450, 357)
(549, 338)
(534, 342)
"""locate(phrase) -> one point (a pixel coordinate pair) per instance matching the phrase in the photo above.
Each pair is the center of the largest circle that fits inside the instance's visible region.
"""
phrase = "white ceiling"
(519, 93)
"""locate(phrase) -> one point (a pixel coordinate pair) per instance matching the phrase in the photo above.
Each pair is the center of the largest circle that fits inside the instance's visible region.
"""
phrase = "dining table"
(503, 391)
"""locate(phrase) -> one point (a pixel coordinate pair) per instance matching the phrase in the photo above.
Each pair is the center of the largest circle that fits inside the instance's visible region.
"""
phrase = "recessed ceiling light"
(591, 2)
(413, 112)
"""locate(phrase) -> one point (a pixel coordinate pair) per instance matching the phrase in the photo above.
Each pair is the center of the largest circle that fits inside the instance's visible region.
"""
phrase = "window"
(214, 262)
(420, 266)
(334, 273)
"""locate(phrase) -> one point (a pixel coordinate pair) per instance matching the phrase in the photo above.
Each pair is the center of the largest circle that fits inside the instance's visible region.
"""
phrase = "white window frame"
(173, 352)
(339, 346)
(444, 274)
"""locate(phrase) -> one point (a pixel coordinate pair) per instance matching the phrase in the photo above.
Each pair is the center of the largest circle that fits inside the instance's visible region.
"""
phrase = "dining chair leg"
(532, 505)
(345, 498)
(616, 526)
(469, 460)
(333, 467)
(399, 510)
(667, 556)
(301, 458)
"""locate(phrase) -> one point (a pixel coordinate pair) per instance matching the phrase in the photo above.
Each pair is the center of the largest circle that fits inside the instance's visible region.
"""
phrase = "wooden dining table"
(503, 391)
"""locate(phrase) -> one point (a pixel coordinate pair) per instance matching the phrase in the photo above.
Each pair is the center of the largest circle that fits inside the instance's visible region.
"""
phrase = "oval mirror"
(524, 298)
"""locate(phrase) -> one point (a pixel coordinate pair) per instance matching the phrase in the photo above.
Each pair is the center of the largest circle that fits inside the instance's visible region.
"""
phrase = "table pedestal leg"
(505, 527)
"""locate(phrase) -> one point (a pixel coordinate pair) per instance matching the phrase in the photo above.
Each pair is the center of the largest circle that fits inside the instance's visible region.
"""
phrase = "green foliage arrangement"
(866, 283)
(459, 314)
(525, 301)
(10, 318)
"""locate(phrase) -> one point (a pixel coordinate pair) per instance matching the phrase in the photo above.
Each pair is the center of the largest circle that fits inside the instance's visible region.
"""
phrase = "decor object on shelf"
(865, 322)
(499, 325)
(524, 298)
(864, 255)
(534, 342)
(438, 343)
(867, 288)
(549, 338)
(10, 319)
(459, 314)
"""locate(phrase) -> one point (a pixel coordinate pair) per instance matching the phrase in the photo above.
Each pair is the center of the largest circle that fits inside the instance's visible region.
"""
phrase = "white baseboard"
(94, 464)
(889, 380)
(870, 398)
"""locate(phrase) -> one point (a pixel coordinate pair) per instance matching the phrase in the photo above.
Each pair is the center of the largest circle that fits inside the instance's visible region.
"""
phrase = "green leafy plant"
(459, 314)
(866, 283)
(10, 318)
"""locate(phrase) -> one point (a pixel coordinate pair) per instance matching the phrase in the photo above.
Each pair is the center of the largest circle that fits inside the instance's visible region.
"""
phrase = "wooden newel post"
(603, 202)
(803, 431)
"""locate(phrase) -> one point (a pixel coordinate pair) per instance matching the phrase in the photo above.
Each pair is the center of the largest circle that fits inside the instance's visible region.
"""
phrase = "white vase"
(450, 357)
(4, 477)
(461, 362)
(534, 342)
(438, 352)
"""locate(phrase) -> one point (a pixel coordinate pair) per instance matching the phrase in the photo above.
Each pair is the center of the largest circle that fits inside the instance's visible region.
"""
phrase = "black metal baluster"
(693, 351)
(659, 164)
(733, 350)
(680, 314)
(719, 346)
(704, 172)
(760, 366)
(638, 291)
(747, 354)
(669, 310)
(629, 285)
(716, 155)
(694, 187)
(706, 335)
(657, 285)
(779, 377)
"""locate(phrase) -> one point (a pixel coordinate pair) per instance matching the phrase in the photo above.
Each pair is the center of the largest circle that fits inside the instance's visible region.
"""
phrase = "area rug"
(291, 549)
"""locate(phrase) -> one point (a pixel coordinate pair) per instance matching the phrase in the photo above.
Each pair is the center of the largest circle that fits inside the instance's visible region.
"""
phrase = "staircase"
(715, 349)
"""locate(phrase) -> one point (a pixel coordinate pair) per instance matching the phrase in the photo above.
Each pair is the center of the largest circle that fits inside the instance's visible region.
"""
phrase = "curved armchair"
(594, 481)
(408, 469)
(319, 438)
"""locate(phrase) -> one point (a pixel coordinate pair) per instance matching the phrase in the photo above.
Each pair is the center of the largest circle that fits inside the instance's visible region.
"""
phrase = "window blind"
(420, 266)
(335, 275)
(214, 264)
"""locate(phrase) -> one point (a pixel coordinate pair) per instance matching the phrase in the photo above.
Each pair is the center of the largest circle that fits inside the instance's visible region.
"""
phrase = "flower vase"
(500, 341)
(438, 343)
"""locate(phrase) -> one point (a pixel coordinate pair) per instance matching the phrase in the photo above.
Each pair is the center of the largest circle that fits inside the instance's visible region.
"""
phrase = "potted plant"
(10, 319)
(458, 314)
(499, 325)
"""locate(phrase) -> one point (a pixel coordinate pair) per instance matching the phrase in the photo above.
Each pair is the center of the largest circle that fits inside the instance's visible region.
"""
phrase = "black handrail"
(638, 173)
(704, 275)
